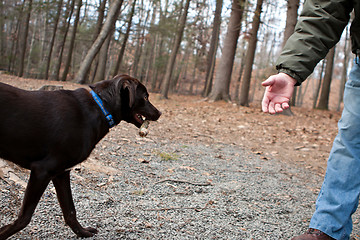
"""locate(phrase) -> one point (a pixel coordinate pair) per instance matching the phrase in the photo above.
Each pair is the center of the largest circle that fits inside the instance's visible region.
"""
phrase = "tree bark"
(3, 42)
(66, 26)
(86, 63)
(242, 65)
(291, 18)
(151, 44)
(158, 56)
(344, 71)
(103, 59)
(103, 55)
(250, 55)
(99, 24)
(222, 81)
(52, 41)
(325, 89)
(24, 36)
(126, 37)
(213, 48)
(171, 63)
(72, 42)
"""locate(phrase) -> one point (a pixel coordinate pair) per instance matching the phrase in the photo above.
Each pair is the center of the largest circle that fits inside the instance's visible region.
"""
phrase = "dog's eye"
(146, 98)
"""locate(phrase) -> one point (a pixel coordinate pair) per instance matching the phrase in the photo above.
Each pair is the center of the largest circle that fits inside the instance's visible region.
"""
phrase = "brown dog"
(50, 132)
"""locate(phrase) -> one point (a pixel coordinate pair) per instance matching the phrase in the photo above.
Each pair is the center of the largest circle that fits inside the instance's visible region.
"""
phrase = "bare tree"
(86, 63)
(72, 42)
(242, 65)
(171, 63)
(220, 91)
(344, 70)
(2, 36)
(250, 55)
(99, 24)
(65, 28)
(291, 18)
(325, 89)
(52, 41)
(126, 37)
(213, 48)
(23, 38)
(151, 44)
(103, 54)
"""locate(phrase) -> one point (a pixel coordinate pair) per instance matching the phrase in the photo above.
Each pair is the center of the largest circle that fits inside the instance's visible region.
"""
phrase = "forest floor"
(205, 171)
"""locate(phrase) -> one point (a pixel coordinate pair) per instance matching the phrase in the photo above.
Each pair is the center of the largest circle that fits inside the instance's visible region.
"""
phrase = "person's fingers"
(265, 104)
(268, 82)
(278, 108)
(285, 105)
(272, 108)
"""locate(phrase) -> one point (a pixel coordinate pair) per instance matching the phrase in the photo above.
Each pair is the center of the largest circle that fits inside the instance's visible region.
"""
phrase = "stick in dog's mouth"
(143, 131)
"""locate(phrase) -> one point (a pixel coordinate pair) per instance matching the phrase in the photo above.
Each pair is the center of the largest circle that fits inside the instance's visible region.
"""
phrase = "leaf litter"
(234, 173)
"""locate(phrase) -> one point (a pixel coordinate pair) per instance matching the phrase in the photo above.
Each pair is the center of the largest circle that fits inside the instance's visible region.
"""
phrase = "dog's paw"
(87, 232)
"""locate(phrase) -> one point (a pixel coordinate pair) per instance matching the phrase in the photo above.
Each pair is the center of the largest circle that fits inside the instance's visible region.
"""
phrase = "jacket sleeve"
(319, 28)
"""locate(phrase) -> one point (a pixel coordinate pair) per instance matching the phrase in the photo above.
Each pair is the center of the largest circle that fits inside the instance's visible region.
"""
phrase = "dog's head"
(126, 99)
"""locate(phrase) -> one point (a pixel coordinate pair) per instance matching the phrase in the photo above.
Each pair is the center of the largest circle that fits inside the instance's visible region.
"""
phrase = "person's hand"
(279, 89)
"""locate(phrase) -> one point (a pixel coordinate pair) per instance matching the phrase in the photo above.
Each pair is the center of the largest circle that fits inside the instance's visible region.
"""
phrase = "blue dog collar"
(99, 102)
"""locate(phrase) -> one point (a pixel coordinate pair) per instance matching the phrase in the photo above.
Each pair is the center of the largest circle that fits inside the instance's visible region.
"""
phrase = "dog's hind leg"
(34, 190)
(63, 191)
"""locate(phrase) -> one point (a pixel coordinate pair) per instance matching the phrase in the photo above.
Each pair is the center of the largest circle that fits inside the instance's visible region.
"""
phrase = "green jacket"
(319, 28)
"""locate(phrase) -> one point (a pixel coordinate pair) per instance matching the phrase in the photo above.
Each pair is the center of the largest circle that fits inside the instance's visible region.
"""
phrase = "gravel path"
(133, 188)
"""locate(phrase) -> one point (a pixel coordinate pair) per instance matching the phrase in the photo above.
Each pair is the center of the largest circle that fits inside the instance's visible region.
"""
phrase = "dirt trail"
(205, 171)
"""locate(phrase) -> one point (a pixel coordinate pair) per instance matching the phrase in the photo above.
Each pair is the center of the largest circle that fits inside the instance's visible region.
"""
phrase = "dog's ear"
(131, 88)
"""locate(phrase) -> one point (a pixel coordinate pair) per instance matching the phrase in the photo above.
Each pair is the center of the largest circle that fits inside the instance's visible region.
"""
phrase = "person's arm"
(319, 28)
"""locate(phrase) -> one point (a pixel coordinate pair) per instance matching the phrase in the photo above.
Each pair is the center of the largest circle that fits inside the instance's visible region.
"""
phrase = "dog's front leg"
(63, 191)
(34, 190)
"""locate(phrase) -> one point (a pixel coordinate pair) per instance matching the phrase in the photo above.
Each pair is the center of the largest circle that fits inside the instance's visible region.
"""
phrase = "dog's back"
(34, 124)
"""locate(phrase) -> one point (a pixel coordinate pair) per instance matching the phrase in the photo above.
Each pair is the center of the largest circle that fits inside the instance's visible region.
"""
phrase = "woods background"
(219, 49)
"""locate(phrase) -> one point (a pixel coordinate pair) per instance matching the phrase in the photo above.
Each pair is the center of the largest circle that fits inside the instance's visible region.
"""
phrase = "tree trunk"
(318, 86)
(344, 71)
(3, 42)
(171, 63)
(103, 58)
(31, 50)
(126, 37)
(242, 65)
(10, 67)
(100, 19)
(325, 89)
(72, 43)
(139, 44)
(291, 18)
(221, 87)
(86, 63)
(213, 48)
(66, 26)
(152, 45)
(99, 24)
(250, 55)
(24, 36)
(52, 41)
(103, 55)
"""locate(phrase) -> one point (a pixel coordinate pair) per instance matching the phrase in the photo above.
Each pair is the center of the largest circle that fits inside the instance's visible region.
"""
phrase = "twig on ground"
(182, 208)
(183, 181)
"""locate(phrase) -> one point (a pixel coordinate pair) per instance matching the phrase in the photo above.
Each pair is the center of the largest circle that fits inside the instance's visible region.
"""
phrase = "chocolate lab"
(50, 132)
